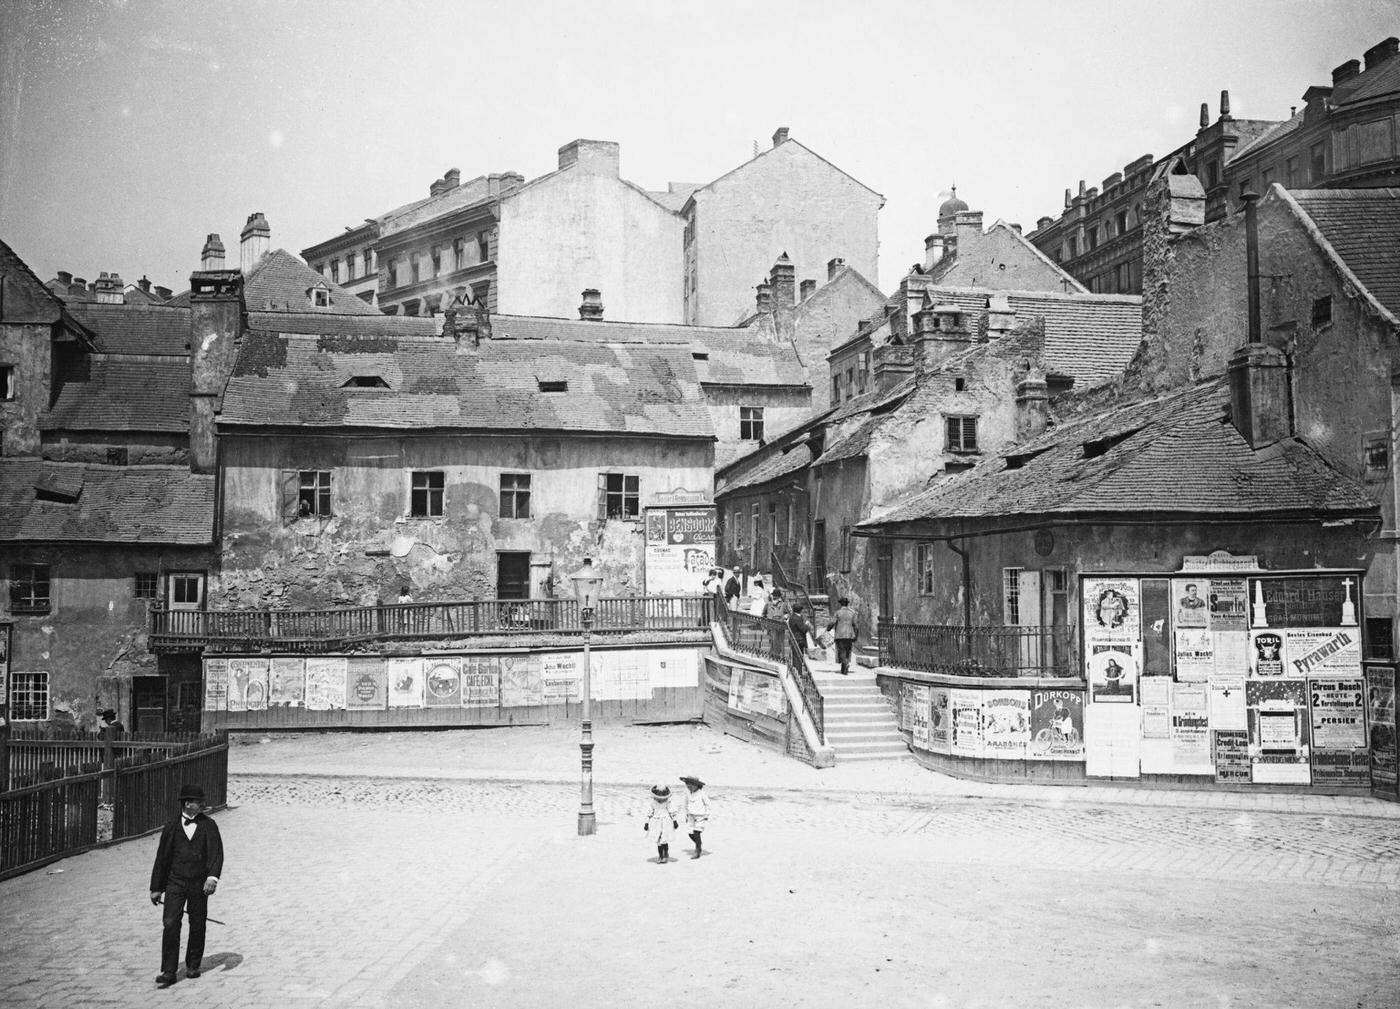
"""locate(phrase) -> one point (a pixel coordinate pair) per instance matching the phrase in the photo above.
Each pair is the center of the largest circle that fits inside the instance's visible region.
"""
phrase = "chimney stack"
(109, 289)
(1258, 373)
(1251, 231)
(254, 243)
(933, 251)
(833, 267)
(780, 135)
(65, 278)
(806, 289)
(1205, 115)
(163, 293)
(763, 299)
(1001, 317)
(216, 314)
(893, 363)
(452, 179)
(1381, 52)
(596, 157)
(1346, 72)
(591, 310)
(1224, 105)
(436, 188)
(782, 279)
(145, 284)
(1068, 199)
(1032, 405)
(212, 258)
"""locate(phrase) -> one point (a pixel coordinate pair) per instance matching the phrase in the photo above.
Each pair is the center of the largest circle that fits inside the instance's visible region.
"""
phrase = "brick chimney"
(254, 243)
(806, 289)
(1032, 405)
(591, 310)
(939, 333)
(782, 278)
(216, 313)
(780, 135)
(144, 284)
(893, 364)
(1001, 317)
(1381, 52)
(109, 289)
(452, 179)
(933, 251)
(833, 267)
(1346, 72)
(65, 278)
(212, 258)
(436, 188)
(163, 293)
(763, 298)
(1260, 406)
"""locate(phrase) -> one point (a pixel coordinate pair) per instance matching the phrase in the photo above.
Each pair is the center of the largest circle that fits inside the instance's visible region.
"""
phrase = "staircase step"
(883, 722)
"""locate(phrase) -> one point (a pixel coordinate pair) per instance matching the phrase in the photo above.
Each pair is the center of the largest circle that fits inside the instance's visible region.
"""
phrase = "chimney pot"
(65, 278)
(1205, 115)
(212, 258)
(833, 266)
(807, 288)
(1346, 72)
(145, 284)
(1032, 405)
(81, 282)
(1224, 105)
(780, 135)
(763, 299)
(254, 242)
(1068, 198)
(781, 278)
(933, 251)
(591, 310)
(1081, 187)
(453, 178)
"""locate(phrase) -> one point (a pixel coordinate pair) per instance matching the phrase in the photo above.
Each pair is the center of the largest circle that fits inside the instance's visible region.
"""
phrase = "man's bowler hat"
(191, 792)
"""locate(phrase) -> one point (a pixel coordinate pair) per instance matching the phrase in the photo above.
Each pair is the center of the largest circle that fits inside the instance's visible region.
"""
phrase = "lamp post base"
(587, 824)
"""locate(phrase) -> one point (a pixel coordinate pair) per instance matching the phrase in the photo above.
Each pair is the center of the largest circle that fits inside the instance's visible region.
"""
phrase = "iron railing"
(309, 630)
(31, 751)
(55, 812)
(774, 640)
(978, 651)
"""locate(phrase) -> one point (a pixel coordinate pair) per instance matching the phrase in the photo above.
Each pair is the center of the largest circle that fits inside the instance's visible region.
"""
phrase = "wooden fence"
(314, 630)
(55, 811)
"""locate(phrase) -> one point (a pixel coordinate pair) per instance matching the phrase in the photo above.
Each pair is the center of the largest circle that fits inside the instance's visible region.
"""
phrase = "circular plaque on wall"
(1044, 542)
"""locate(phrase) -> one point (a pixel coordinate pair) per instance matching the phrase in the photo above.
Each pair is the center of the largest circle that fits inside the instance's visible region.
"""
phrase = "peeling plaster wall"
(371, 546)
(93, 639)
(28, 349)
(783, 410)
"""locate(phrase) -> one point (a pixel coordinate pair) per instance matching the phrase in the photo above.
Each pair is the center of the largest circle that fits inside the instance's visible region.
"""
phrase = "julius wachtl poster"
(1112, 609)
(1057, 725)
(562, 673)
(1338, 721)
(1195, 654)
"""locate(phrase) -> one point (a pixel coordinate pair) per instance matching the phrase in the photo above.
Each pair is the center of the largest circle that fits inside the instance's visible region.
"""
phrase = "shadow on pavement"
(223, 961)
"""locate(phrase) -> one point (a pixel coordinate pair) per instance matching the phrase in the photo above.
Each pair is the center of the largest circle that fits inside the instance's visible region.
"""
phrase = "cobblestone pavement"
(368, 890)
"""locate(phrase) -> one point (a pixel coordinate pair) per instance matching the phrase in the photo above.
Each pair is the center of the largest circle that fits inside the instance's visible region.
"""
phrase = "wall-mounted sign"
(680, 549)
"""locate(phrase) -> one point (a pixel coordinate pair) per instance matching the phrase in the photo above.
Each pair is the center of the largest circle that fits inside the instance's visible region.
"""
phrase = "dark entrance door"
(818, 580)
(148, 703)
(513, 575)
(884, 571)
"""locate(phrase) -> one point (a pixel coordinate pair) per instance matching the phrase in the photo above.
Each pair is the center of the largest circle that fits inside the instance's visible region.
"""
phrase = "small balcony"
(979, 651)
(174, 630)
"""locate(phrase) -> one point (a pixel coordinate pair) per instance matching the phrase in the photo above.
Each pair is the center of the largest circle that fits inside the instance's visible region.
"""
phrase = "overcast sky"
(130, 129)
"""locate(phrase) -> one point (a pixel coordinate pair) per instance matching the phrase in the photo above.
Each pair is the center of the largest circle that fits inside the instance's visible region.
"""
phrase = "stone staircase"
(860, 724)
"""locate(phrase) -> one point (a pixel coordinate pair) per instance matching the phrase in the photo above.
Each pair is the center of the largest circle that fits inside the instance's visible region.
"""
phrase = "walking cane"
(216, 921)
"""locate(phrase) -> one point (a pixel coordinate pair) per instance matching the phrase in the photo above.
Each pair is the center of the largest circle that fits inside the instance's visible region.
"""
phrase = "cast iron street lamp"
(586, 584)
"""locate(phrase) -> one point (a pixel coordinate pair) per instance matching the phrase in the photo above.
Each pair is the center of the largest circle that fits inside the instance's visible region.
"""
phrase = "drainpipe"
(1251, 227)
(967, 592)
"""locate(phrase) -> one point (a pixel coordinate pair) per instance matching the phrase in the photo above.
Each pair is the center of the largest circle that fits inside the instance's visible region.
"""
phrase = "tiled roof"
(1176, 453)
(345, 325)
(1269, 135)
(115, 504)
(1383, 80)
(1363, 226)
(279, 283)
(739, 356)
(614, 388)
(769, 466)
(122, 394)
(136, 329)
(1091, 337)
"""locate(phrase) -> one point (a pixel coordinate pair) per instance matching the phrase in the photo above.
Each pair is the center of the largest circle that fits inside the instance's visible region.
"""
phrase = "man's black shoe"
(192, 972)
(165, 980)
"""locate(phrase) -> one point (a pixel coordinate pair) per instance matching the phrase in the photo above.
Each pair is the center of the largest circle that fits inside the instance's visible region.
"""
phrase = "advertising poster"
(1232, 766)
(521, 683)
(673, 668)
(1156, 707)
(1191, 744)
(325, 683)
(5, 663)
(1380, 713)
(1112, 741)
(904, 710)
(442, 682)
(1195, 655)
(1112, 609)
(1057, 725)
(216, 684)
(966, 706)
(1333, 651)
(1229, 604)
(1231, 651)
(1112, 673)
(1227, 708)
(1189, 603)
(756, 693)
(1266, 655)
(287, 683)
(1303, 601)
(919, 716)
(1278, 731)
(1006, 724)
(405, 678)
(562, 673)
(1337, 708)
(620, 676)
(247, 684)
(680, 549)
(481, 681)
(940, 726)
(366, 684)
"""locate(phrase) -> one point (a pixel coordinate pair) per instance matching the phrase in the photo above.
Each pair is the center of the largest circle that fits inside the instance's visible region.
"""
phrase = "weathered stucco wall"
(370, 546)
(27, 349)
(577, 230)
(999, 260)
(137, 449)
(789, 200)
(783, 410)
(93, 639)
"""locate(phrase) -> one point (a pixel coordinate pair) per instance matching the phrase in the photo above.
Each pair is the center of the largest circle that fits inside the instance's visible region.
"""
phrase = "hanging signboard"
(680, 549)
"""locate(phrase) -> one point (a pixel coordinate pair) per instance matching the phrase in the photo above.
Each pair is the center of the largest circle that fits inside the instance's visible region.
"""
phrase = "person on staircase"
(843, 625)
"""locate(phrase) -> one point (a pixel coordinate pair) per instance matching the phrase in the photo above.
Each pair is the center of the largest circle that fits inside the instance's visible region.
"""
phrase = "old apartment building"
(691, 253)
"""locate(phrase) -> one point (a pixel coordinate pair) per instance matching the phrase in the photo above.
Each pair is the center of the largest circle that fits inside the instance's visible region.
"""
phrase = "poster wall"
(1057, 725)
(966, 707)
(940, 725)
(1380, 714)
(680, 549)
(1337, 708)
(1278, 731)
(1006, 724)
(756, 693)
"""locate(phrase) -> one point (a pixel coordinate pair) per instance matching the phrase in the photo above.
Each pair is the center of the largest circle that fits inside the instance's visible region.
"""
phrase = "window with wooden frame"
(7, 381)
(923, 568)
(515, 495)
(1011, 596)
(147, 585)
(845, 548)
(962, 434)
(619, 496)
(30, 588)
(773, 523)
(426, 490)
(29, 697)
(305, 494)
(751, 423)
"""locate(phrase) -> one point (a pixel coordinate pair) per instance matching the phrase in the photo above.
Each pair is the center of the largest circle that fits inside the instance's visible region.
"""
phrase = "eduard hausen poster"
(1338, 719)
(1057, 725)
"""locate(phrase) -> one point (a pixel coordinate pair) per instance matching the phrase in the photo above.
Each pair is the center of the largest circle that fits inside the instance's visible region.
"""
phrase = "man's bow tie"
(189, 820)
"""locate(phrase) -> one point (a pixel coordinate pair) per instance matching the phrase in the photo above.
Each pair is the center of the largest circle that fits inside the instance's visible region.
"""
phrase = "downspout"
(967, 592)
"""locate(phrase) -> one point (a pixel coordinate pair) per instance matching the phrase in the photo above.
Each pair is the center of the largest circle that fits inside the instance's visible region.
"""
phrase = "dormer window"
(320, 297)
(365, 382)
(1099, 446)
(554, 385)
(700, 355)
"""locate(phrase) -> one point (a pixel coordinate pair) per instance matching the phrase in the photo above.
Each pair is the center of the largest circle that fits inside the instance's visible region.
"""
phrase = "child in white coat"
(697, 810)
(663, 815)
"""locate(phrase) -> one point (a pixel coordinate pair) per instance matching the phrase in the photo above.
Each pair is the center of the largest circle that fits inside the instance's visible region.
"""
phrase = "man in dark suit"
(189, 861)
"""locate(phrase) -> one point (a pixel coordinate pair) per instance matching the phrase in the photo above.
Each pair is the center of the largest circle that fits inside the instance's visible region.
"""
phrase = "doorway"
(148, 703)
(513, 575)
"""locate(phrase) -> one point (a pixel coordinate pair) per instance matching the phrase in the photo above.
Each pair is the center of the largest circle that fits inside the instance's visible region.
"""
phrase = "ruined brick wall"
(370, 546)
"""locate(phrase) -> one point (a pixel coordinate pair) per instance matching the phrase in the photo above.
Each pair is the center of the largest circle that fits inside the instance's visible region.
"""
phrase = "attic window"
(63, 496)
(959, 384)
(1021, 458)
(1097, 447)
(365, 382)
(700, 355)
(554, 385)
(320, 297)
(1322, 310)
